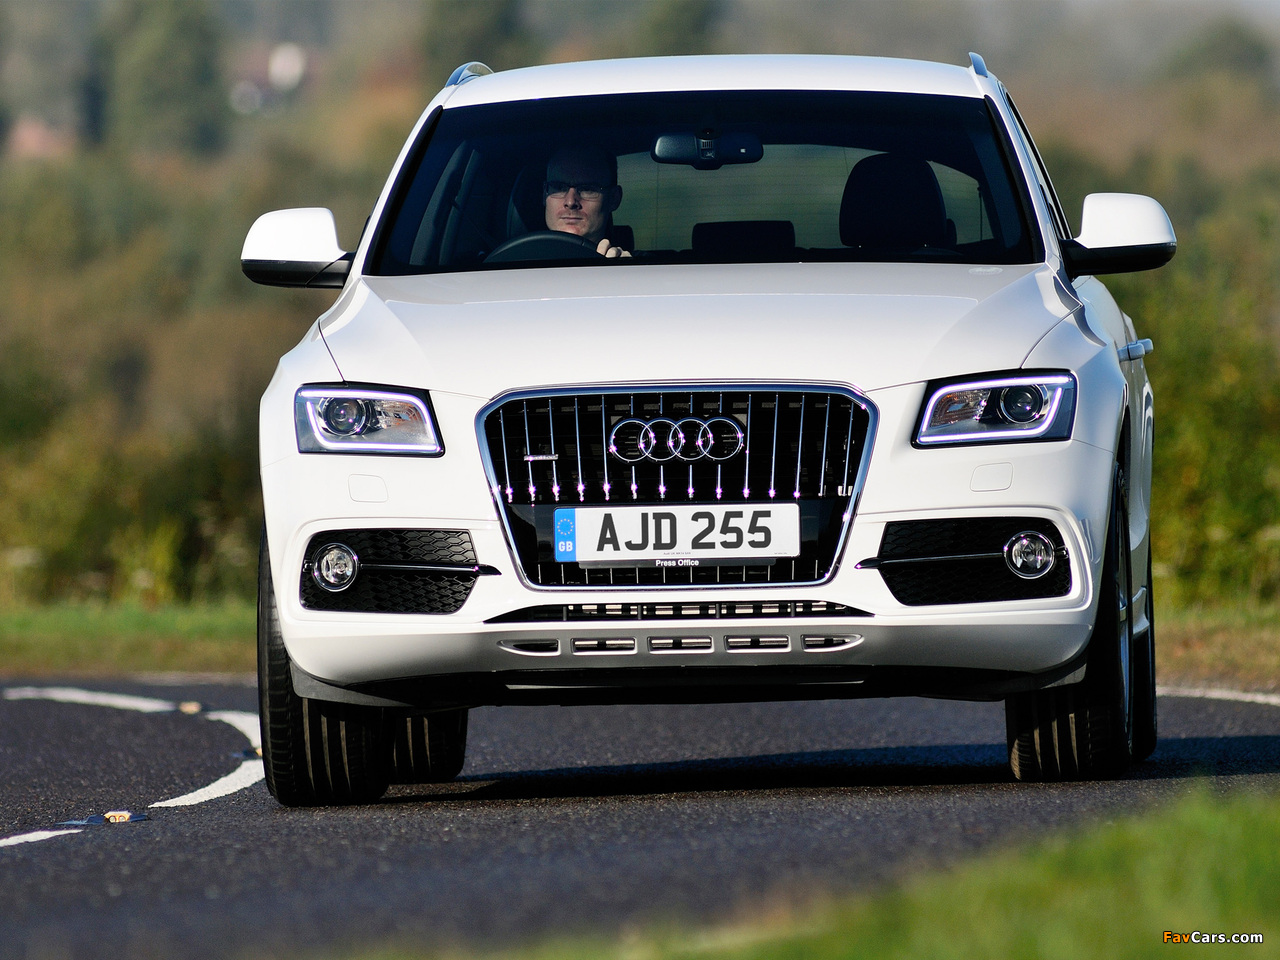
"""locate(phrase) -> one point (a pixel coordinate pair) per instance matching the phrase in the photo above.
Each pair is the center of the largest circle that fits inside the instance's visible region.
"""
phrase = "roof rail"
(979, 65)
(468, 71)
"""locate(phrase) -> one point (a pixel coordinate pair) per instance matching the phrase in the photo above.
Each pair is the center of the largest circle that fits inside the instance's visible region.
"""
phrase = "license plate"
(676, 535)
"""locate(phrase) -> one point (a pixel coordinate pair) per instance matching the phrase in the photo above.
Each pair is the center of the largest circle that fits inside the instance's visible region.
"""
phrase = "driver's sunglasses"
(587, 191)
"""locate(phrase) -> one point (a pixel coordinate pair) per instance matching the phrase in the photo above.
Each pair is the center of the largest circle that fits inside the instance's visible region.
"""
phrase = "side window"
(1046, 185)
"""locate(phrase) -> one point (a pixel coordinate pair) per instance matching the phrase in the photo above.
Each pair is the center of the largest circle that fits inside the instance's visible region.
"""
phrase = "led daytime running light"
(362, 420)
(1001, 409)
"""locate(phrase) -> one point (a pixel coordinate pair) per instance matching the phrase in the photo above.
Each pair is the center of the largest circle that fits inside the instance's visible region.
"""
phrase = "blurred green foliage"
(154, 79)
(678, 27)
(1228, 45)
(132, 351)
(1214, 316)
(457, 31)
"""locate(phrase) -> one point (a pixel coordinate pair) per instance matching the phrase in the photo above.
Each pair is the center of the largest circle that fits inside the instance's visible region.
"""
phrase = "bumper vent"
(737, 610)
(774, 444)
(928, 562)
(401, 571)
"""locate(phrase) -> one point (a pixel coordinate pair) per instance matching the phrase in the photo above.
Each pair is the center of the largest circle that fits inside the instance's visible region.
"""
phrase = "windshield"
(708, 177)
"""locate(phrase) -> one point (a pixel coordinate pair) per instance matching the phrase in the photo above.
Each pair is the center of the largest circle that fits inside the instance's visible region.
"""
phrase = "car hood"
(869, 325)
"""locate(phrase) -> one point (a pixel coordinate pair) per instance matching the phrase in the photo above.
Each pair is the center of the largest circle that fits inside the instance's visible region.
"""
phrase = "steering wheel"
(543, 245)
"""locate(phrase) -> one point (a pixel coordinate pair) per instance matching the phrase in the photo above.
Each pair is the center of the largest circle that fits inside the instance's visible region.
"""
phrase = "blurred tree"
(491, 31)
(154, 79)
(675, 27)
(1229, 45)
(280, 21)
(5, 106)
(29, 394)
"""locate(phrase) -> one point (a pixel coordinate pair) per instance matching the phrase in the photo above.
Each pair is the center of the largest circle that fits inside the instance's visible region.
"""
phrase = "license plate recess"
(677, 535)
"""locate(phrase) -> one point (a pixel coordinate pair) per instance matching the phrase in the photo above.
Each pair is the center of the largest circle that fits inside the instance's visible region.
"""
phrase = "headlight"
(346, 419)
(1038, 406)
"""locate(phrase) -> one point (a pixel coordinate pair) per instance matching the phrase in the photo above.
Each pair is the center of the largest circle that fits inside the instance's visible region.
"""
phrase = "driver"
(580, 194)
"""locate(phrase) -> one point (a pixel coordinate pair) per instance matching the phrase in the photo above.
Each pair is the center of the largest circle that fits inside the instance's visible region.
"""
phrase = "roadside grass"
(1204, 865)
(104, 640)
(1231, 645)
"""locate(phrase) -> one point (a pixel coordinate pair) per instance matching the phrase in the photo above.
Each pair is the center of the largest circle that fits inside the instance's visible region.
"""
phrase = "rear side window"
(779, 176)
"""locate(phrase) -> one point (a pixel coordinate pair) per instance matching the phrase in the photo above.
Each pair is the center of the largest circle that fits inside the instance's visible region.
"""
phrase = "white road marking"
(249, 772)
(93, 698)
(246, 723)
(1209, 693)
(33, 837)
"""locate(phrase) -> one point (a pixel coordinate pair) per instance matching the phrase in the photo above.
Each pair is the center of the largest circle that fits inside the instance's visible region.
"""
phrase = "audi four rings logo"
(663, 440)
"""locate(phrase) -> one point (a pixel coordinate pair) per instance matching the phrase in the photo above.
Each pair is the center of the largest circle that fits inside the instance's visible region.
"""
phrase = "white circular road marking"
(249, 773)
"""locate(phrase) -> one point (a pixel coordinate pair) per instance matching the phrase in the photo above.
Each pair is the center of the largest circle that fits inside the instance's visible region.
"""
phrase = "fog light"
(1029, 555)
(335, 567)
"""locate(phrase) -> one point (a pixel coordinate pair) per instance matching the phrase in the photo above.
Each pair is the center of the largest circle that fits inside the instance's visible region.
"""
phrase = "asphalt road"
(565, 819)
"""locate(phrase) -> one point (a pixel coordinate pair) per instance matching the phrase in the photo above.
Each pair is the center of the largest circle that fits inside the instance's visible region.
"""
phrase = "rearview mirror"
(295, 248)
(1120, 233)
(706, 150)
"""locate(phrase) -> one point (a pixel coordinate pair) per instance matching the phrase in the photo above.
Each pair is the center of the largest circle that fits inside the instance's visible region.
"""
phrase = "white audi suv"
(707, 379)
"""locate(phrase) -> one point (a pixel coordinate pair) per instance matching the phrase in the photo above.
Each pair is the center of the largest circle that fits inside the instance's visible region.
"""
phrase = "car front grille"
(802, 445)
(927, 562)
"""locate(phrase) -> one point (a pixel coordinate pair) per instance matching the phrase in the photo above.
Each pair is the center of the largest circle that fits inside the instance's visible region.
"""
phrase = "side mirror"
(1120, 233)
(295, 248)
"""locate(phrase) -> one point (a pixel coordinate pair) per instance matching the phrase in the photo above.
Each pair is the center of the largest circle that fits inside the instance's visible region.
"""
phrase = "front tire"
(1086, 730)
(314, 753)
(430, 748)
(1145, 727)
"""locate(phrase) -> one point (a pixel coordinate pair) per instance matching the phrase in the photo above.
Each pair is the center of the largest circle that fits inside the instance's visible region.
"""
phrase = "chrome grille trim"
(564, 447)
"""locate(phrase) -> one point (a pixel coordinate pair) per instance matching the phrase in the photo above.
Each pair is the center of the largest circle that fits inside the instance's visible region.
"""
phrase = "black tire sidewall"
(1110, 686)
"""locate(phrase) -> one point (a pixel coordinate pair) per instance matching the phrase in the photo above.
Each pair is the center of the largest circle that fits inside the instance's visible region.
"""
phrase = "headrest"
(744, 239)
(892, 204)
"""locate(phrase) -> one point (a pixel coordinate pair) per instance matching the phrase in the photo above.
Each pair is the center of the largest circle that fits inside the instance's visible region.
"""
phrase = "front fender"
(1102, 391)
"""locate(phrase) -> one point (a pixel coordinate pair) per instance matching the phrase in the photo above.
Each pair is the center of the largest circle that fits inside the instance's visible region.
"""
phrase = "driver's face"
(571, 212)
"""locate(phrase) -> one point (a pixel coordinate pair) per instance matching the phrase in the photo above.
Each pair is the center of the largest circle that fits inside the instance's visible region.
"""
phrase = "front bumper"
(873, 644)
